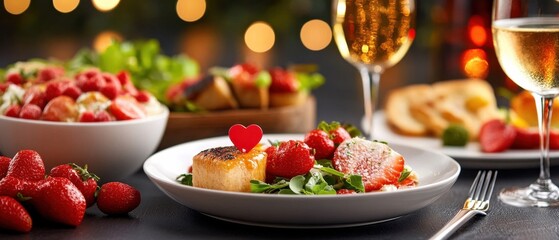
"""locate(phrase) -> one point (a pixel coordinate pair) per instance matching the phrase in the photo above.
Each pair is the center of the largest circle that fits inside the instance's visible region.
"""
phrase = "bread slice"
(398, 109)
(228, 169)
(251, 97)
(288, 99)
(216, 95)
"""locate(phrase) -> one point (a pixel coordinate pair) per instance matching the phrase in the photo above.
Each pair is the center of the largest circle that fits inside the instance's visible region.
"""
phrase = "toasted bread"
(228, 169)
(216, 95)
(251, 97)
(431, 108)
(288, 99)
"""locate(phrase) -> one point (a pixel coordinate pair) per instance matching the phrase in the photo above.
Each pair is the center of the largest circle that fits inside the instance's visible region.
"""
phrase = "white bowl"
(437, 173)
(112, 150)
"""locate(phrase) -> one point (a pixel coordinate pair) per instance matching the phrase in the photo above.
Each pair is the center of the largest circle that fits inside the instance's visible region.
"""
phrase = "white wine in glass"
(526, 39)
(373, 35)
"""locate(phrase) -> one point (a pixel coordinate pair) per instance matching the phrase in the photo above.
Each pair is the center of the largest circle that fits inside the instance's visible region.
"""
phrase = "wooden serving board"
(184, 127)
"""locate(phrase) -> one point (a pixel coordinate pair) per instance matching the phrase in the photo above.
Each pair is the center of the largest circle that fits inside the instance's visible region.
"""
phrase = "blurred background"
(453, 39)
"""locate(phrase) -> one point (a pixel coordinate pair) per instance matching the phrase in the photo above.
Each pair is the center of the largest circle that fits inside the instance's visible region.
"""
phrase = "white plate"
(469, 156)
(437, 173)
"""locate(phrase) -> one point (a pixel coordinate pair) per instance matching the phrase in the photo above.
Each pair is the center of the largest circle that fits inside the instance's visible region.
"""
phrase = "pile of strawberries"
(295, 157)
(61, 197)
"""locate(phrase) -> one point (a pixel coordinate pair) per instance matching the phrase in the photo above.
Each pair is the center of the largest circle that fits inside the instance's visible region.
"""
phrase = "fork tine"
(479, 185)
(485, 186)
(492, 185)
(474, 184)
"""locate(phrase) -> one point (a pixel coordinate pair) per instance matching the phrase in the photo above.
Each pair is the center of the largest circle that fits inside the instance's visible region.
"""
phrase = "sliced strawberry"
(13, 215)
(127, 108)
(35, 95)
(30, 111)
(376, 162)
(496, 136)
(526, 138)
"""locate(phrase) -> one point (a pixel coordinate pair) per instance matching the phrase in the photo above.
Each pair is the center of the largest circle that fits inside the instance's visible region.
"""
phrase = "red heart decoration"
(245, 138)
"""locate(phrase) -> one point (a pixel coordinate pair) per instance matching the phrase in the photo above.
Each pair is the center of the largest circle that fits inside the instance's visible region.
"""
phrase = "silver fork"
(476, 203)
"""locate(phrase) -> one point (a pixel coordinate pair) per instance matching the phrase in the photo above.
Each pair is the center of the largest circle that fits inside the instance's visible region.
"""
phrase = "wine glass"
(373, 35)
(526, 39)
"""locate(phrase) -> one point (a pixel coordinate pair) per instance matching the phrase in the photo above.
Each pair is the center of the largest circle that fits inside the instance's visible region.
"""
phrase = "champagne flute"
(526, 39)
(373, 35)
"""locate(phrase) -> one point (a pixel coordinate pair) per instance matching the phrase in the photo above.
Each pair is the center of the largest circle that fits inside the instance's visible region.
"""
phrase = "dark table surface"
(160, 217)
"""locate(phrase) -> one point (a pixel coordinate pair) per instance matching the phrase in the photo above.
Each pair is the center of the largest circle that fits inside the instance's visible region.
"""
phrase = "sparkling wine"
(528, 51)
(376, 33)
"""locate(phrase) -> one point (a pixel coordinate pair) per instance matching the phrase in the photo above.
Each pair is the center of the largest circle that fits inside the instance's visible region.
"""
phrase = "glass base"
(534, 195)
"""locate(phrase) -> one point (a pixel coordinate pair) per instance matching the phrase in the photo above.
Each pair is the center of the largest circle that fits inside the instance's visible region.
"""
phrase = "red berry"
(321, 143)
(30, 111)
(85, 181)
(244, 74)
(35, 95)
(291, 158)
(117, 198)
(143, 96)
(110, 90)
(49, 73)
(57, 199)
(345, 191)
(14, 78)
(13, 216)
(27, 165)
(4, 164)
(283, 81)
(339, 135)
(94, 83)
(55, 89)
(11, 186)
(72, 91)
(87, 116)
(13, 111)
(103, 116)
(126, 108)
(496, 136)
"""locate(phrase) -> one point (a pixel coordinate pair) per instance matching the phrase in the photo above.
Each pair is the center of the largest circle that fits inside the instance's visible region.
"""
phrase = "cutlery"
(476, 203)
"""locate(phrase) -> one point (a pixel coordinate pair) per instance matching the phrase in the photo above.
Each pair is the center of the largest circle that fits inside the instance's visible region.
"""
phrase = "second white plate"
(469, 156)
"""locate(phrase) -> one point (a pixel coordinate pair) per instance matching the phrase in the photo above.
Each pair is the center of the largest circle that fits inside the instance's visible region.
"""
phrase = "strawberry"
(321, 143)
(126, 108)
(72, 91)
(345, 191)
(87, 116)
(338, 135)
(244, 75)
(291, 158)
(12, 186)
(496, 136)
(85, 181)
(14, 78)
(526, 138)
(4, 164)
(57, 199)
(377, 164)
(283, 81)
(61, 109)
(117, 198)
(126, 83)
(49, 73)
(13, 216)
(27, 165)
(35, 95)
(30, 111)
(13, 111)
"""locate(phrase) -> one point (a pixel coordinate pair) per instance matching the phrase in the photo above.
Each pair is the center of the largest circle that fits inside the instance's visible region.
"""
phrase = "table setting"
(156, 145)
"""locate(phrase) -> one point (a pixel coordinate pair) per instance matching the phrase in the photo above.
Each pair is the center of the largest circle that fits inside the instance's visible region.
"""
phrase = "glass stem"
(371, 81)
(544, 109)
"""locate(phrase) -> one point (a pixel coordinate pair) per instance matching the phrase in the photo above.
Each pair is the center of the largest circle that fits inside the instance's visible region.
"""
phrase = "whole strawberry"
(57, 199)
(339, 134)
(292, 158)
(116, 198)
(321, 143)
(4, 164)
(12, 186)
(85, 181)
(13, 216)
(283, 81)
(27, 165)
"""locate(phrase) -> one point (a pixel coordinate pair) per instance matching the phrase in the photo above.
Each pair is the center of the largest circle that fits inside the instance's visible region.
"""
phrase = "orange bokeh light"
(474, 63)
(477, 31)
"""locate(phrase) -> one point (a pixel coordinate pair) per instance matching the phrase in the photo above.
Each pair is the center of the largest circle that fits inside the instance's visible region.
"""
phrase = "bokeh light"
(104, 39)
(316, 34)
(105, 5)
(16, 7)
(260, 37)
(191, 10)
(65, 6)
(474, 62)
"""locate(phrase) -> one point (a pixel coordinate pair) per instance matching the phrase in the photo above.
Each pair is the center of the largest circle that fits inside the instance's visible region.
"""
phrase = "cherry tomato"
(496, 136)
(126, 108)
